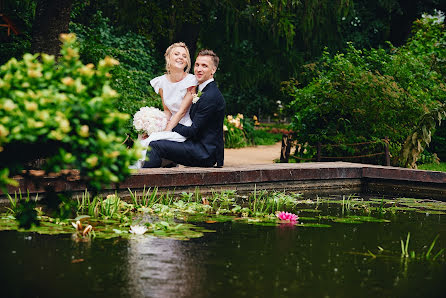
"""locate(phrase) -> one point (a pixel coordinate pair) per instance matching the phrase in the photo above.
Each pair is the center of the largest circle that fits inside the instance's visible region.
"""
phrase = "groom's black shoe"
(170, 165)
(165, 163)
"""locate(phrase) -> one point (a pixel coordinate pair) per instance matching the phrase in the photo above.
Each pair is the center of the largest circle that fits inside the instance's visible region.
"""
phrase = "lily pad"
(266, 224)
(330, 201)
(347, 220)
(313, 225)
(400, 208)
(367, 218)
(429, 205)
(310, 210)
(82, 217)
(305, 218)
(431, 212)
(208, 217)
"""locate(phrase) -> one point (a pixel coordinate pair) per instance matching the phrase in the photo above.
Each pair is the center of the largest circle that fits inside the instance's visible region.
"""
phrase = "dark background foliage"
(260, 43)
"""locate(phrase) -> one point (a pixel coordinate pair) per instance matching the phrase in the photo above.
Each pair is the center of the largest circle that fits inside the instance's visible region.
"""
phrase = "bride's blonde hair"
(169, 51)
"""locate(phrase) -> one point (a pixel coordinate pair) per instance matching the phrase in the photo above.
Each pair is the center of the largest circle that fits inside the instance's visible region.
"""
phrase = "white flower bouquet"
(149, 120)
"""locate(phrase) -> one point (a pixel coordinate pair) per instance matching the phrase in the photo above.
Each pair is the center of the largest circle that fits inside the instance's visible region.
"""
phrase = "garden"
(333, 78)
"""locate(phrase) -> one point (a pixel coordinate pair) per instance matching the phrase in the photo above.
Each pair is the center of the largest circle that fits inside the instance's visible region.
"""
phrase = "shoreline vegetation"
(190, 215)
(441, 167)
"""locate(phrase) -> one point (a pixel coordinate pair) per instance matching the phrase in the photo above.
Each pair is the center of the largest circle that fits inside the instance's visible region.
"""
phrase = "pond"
(336, 250)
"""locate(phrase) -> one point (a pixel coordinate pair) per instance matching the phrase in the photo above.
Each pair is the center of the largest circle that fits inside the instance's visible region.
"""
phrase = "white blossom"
(437, 17)
(138, 230)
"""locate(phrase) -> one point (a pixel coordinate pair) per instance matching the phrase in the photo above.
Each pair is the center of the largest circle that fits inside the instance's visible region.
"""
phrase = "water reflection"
(162, 268)
(238, 259)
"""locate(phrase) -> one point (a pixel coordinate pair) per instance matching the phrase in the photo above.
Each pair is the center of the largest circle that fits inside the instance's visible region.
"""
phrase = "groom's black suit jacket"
(205, 135)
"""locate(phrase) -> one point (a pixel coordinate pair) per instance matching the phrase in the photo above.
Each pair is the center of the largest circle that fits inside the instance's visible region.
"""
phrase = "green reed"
(428, 255)
(147, 199)
(98, 207)
(15, 201)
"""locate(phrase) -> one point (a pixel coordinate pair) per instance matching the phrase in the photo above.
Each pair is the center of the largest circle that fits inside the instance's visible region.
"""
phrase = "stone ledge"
(317, 176)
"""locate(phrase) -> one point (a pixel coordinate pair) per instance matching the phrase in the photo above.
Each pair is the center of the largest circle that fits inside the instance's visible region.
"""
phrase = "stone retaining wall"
(318, 178)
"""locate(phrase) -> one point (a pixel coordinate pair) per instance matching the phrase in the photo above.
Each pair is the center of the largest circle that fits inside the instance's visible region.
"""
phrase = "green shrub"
(16, 47)
(234, 132)
(262, 137)
(429, 42)
(365, 95)
(63, 112)
(435, 166)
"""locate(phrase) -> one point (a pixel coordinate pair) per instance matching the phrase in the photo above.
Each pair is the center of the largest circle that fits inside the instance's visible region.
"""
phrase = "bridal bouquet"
(149, 119)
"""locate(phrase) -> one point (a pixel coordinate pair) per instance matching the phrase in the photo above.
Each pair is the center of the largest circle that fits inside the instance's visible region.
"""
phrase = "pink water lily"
(291, 217)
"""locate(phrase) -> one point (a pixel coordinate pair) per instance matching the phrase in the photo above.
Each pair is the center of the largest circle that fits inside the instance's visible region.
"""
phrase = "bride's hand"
(143, 136)
(165, 129)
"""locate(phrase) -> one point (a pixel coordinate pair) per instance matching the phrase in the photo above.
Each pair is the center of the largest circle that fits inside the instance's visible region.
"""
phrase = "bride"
(176, 88)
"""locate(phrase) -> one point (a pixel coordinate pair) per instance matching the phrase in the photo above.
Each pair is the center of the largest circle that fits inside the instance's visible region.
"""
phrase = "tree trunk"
(52, 19)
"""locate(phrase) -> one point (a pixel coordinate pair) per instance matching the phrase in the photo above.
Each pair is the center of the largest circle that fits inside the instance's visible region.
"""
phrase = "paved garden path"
(252, 155)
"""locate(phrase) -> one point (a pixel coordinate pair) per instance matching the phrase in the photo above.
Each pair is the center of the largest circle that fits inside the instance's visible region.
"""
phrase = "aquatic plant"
(286, 216)
(428, 255)
(147, 199)
(23, 209)
(138, 230)
(14, 209)
(110, 207)
(164, 213)
(82, 234)
(80, 229)
(405, 247)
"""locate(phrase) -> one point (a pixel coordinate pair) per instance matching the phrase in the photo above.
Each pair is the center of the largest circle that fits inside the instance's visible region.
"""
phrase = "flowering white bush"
(149, 120)
(436, 18)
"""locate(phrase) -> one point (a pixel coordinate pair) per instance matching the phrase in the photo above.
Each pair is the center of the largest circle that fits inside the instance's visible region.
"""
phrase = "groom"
(204, 146)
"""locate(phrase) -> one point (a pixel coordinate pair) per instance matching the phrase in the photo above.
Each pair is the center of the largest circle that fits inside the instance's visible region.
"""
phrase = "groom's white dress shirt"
(204, 84)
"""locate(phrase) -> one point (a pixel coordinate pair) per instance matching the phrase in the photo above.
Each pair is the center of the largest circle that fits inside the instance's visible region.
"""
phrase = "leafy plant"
(427, 255)
(365, 95)
(235, 132)
(62, 111)
(23, 209)
(421, 137)
(147, 199)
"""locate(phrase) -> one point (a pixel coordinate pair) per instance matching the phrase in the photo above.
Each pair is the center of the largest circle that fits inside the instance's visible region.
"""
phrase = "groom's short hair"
(210, 53)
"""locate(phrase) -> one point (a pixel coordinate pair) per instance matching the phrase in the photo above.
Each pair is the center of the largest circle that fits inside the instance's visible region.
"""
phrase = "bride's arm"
(167, 112)
(185, 105)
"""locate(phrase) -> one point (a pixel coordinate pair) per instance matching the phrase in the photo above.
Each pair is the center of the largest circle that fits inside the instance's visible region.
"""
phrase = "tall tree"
(51, 19)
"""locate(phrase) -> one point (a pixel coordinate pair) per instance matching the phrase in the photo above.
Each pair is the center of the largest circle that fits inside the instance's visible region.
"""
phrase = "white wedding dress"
(173, 94)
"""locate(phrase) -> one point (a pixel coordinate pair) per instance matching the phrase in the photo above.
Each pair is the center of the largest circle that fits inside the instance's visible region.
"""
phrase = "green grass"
(274, 125)
(262, 137)
(433, 167)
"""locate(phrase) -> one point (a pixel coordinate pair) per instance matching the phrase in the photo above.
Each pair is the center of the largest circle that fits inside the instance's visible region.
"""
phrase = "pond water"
(238, 259)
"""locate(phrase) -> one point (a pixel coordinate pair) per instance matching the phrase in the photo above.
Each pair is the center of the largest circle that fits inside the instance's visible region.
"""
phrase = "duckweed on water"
(179, 216)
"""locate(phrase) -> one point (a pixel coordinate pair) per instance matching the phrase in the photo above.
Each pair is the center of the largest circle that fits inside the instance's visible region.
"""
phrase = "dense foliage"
(363, 95)
(261, 43)
(22, 14)
(62, 111)
(136, 68)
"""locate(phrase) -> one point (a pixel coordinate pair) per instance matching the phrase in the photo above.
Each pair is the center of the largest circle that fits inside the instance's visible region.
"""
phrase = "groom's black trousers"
(186, 153)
